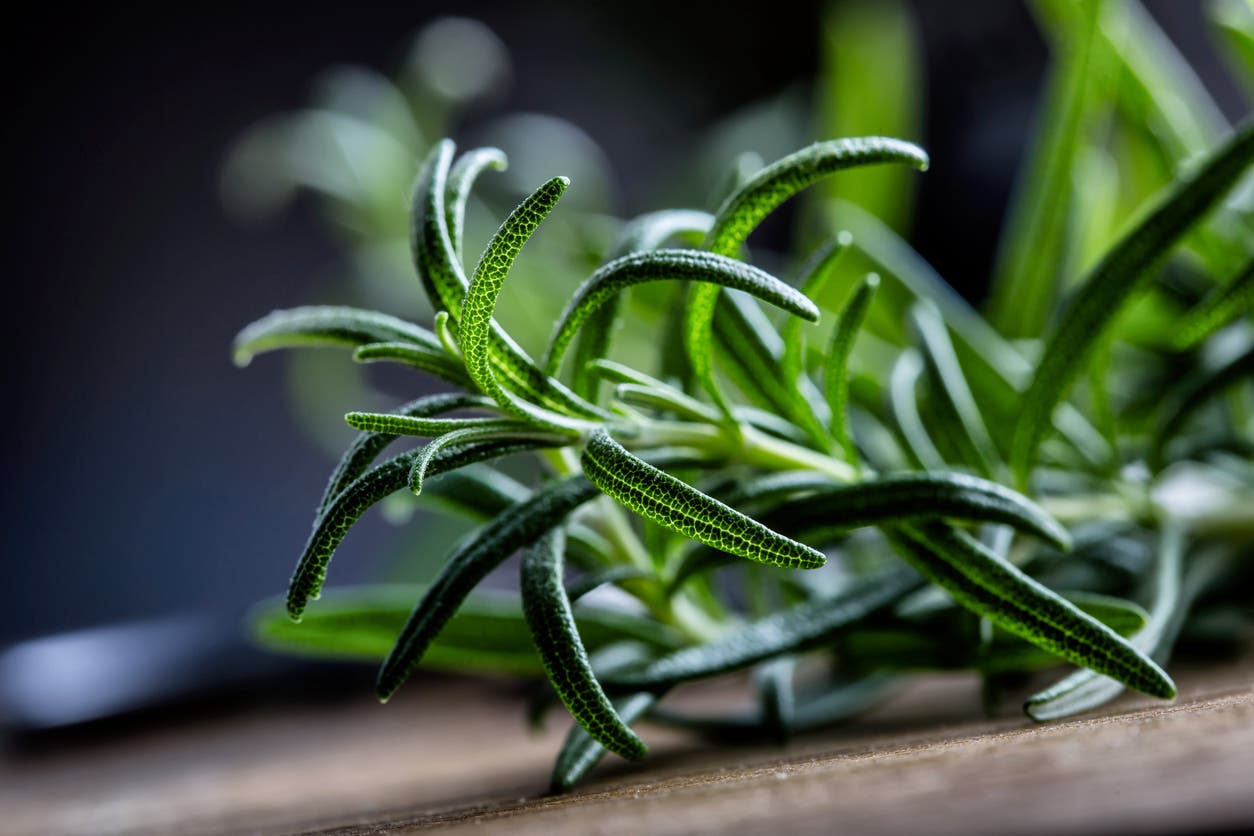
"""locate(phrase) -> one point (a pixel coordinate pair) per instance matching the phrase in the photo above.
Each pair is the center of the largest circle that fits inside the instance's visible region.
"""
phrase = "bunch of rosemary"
(907, 489)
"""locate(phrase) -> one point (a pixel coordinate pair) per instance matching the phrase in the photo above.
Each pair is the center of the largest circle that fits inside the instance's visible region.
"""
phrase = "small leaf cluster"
(770, 495)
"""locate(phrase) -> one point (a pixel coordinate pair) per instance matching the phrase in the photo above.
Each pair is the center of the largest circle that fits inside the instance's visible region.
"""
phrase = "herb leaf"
(660, 497)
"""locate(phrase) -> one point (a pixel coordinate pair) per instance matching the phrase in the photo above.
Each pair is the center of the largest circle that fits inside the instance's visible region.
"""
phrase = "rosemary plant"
(829, 500)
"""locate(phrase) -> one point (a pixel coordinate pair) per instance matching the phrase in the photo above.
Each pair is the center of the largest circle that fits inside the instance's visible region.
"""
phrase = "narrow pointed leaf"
(1125, 268)
(814, 278)
(582, 751)
(745, 209)
(367, 446)
(991, 587)
(669, 265)
(938, 352)
(791, 631)
(382, 422)
(479, 492)
(647, 232)
(836, 377)
(437, 363)
(505, 431)
(429, 240)
(382, 480)
(905, 406)
(326, 325)
(1174, 592)
(660, 497)
(461, 179)
(517, 527)
(906, 496)
(556, 637)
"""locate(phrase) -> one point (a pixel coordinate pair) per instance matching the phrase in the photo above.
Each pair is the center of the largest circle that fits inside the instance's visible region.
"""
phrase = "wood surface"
(456, 755)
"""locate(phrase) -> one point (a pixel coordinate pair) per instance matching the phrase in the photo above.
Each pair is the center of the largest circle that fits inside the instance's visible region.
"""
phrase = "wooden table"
(456, 754)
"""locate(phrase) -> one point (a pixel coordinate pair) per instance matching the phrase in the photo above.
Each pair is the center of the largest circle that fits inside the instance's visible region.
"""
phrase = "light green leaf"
(461, 179)
(327, 325)
(1113, 281)
(991, 587)
(662, 498)
(1032, 253)
(515, 431)
(814, 277)
(836, 377)
(437, 363)
(429, 241)
(668, 265)
(367, 446)
(903, 400)
(552, 626)
(517, 527)
(938, 352)
(744, 210)
(382, 422)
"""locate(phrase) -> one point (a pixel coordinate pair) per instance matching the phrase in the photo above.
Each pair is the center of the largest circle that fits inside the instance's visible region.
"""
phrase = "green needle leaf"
(327, 325)
(647, 232)
(814, 277)
(367, 446)
(1124, 269)
(381, 422)
(791, 631)
(989, 586)
(667, 501)
(504, 431)
(385, 479)
(669, 265)
(906, 496)
(744, 210)
(439, 364)
(556, 637)
(905, 406)
(836, 379)
(974, 440)
(429, 240)
(461, 179)
(582, 751)
(517, 527)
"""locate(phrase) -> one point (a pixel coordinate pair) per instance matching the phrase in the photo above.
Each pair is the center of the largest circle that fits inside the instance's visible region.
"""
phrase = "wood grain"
(456, 755)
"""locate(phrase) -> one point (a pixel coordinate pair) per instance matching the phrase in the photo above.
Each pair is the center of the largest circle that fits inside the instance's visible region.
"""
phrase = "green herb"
(900, 491)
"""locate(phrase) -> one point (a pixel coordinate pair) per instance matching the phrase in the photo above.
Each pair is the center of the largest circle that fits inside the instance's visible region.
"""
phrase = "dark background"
(146, 475)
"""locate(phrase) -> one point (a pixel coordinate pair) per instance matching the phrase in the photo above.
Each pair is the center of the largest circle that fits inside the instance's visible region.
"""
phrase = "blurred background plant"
(1121, 113)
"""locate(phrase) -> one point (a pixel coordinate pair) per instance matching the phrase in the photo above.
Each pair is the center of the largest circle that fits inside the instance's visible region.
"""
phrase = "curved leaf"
(436, 363)
(646, 232)
(552, 626)
(972, 436)
(382, 422)
(909, 496)
(326, 325)
(836, 378)
(904, 403)
(1124, 269)
(367, 446)
(660, 497)
(461, 179)
(669, 265)
(741, 213)
(989, 586)
(506, 431)
(814, 277)
(382, 480)
(517, 527)
(581, 751)
(429, 241)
